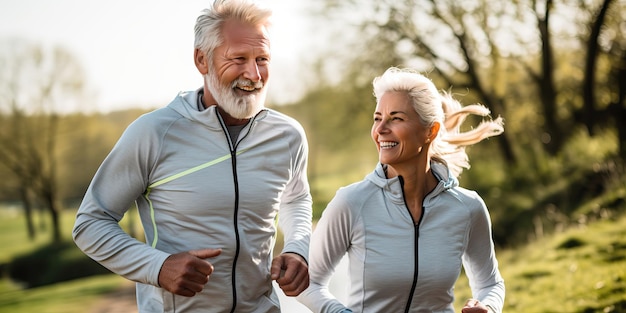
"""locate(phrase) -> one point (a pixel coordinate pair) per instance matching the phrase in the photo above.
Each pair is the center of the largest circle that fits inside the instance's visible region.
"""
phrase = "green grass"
(75, 296)
(69, 297)
(13, 238)
(577, 270)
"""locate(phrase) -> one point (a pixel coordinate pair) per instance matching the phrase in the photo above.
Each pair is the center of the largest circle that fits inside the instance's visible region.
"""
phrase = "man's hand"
(474, 306)
(186, 273)
(291, 273)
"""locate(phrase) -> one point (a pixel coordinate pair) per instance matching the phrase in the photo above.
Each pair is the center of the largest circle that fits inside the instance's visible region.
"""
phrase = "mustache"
(240, 82)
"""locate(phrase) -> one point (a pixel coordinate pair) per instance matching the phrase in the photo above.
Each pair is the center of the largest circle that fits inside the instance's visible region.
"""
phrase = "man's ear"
(201, 61)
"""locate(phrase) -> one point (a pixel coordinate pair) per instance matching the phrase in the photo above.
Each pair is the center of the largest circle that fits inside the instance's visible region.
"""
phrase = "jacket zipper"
(233, 157)
(416, 250)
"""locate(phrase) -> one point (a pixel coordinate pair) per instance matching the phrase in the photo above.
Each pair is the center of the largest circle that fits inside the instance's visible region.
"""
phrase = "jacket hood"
(186, 104)
(393, 186)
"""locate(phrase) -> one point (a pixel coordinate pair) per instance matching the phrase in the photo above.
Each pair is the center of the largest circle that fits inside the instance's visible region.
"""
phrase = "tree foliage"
(553, 69)
(36, 86)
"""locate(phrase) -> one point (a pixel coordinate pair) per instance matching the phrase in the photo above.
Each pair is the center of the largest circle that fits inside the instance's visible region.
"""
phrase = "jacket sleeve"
(120, 180)
(296, 202)
(479, 260)
(329, 244)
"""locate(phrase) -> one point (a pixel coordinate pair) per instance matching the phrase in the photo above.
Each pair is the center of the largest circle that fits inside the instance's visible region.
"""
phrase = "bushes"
(52, 263)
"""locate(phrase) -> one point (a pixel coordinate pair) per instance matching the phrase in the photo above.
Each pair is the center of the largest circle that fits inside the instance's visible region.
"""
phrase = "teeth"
(246, 88)
(247, 85)
(388, 144)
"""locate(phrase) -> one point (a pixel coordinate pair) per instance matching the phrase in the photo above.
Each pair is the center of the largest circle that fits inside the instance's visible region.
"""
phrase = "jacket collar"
(186, 104)
(393, 186)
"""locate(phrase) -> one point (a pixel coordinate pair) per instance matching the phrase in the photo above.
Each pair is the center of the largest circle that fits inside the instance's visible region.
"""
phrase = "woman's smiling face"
(397, 132)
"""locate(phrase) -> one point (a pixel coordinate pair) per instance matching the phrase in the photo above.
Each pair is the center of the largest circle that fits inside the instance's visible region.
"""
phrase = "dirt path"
(120, 301)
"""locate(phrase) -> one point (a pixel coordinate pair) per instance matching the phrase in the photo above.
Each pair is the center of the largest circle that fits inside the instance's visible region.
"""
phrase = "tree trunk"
(547, 89)
(504, 142)
(28, 213)
(589, 107)
(54, 209)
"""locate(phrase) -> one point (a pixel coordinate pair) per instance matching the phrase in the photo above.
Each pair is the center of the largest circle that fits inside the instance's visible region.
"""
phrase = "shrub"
(51, 264)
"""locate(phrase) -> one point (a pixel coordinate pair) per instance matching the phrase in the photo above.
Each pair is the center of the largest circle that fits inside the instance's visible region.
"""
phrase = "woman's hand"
(475, 306)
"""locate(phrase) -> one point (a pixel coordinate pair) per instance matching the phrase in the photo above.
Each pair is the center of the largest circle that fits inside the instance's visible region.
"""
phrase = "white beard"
(239, 107)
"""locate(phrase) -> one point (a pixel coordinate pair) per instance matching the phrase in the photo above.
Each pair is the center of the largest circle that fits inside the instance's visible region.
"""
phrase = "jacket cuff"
(296, 253)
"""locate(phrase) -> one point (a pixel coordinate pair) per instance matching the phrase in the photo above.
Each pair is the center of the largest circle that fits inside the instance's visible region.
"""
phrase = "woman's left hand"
(474, 306)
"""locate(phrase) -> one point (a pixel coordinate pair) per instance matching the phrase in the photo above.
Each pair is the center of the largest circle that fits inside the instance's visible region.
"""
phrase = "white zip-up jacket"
(196, 189)
(394, 264)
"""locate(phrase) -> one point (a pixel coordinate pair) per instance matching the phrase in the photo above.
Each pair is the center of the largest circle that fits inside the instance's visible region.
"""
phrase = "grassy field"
(579, 270)
(75, 296)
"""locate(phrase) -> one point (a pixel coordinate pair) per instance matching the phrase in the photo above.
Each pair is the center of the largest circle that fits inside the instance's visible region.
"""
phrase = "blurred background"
(74, 74)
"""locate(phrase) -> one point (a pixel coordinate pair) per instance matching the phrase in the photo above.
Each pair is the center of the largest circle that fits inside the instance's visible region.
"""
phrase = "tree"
(480, 46)
(555, 70)
(37, 85)
(606, 44)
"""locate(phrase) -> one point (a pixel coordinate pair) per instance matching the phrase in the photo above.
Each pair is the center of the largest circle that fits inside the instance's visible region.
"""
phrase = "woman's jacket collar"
(393, 186)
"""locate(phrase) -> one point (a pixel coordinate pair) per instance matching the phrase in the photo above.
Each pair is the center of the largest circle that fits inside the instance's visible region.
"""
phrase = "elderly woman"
(408, 227)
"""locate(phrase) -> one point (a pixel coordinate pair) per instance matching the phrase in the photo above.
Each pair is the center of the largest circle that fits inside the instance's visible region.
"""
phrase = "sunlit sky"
(139, 53)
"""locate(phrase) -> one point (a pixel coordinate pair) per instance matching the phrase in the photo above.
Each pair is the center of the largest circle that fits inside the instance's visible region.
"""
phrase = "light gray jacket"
(394, 264)
(194, 189)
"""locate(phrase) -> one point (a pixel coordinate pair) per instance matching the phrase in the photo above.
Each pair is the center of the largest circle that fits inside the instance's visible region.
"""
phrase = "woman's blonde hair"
(433, 106)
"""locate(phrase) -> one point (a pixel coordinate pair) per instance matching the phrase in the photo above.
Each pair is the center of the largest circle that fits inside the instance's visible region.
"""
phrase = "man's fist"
(186, 273)
(291, 273)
